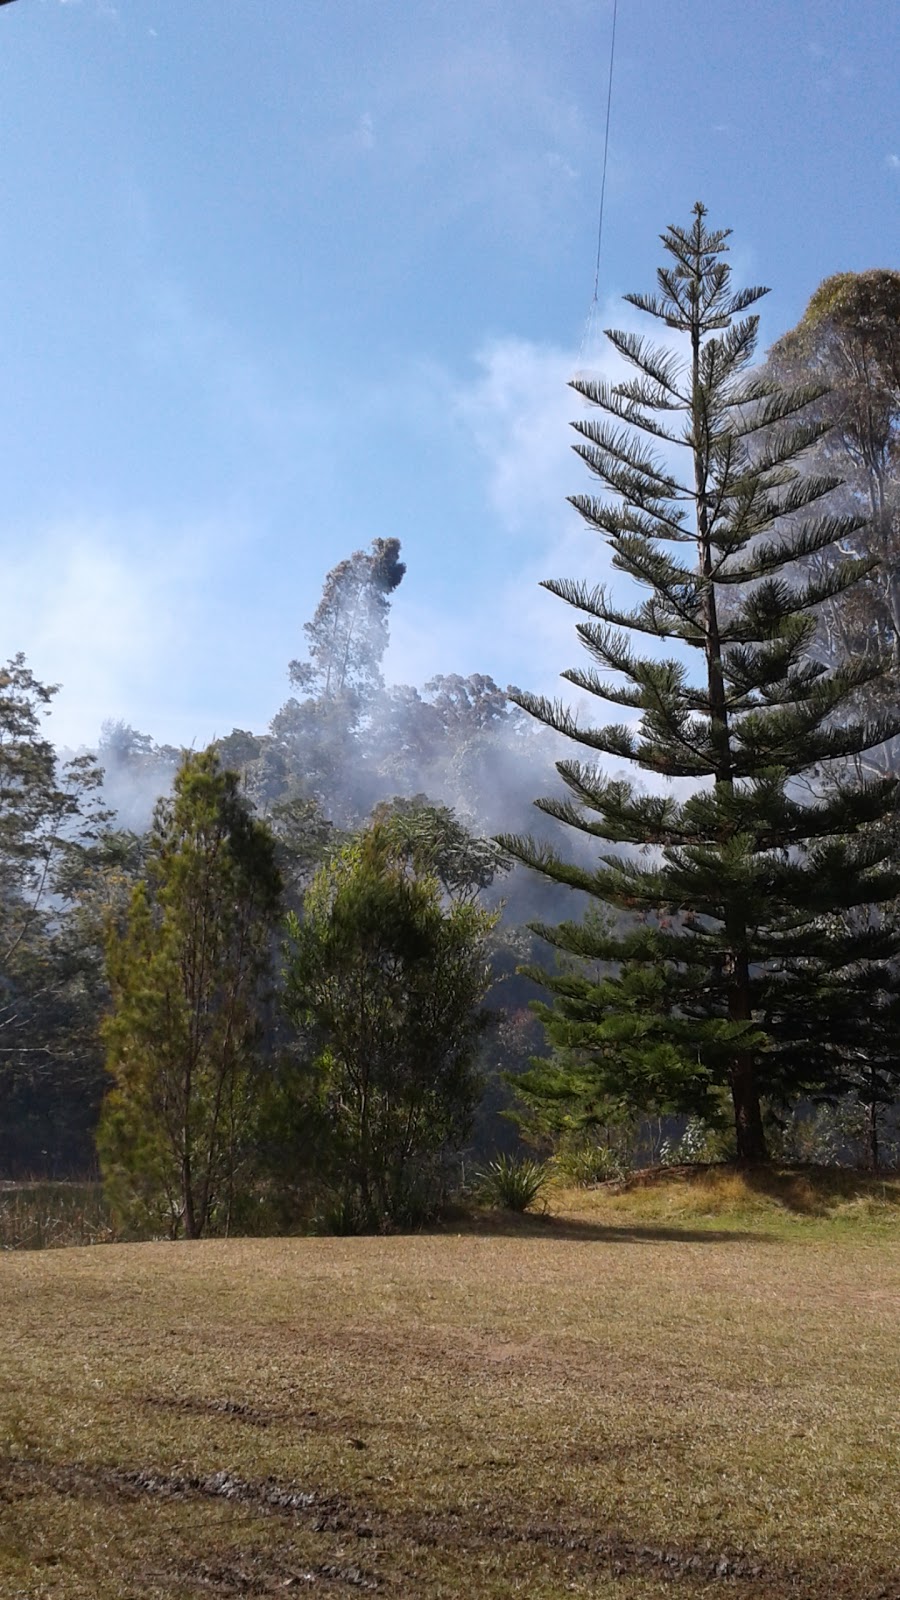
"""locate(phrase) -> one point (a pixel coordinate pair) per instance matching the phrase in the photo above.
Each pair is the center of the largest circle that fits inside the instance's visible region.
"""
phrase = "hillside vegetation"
(599, 1402)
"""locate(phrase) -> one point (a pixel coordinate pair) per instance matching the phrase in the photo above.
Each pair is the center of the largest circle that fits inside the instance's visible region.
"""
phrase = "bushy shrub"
(586, 1163)
(385, 978)
(512, 1183)
(834, 1136)
(701, 1142)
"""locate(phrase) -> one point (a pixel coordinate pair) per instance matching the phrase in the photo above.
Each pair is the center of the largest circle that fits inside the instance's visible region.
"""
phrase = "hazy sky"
(281, 276)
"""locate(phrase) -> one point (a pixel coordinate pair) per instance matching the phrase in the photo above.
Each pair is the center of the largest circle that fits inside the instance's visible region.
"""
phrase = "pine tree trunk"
(748, 1123)
(751, 1139)
(872, 1136)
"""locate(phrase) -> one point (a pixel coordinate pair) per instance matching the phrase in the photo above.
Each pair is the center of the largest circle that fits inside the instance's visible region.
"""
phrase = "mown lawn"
(665, 1392)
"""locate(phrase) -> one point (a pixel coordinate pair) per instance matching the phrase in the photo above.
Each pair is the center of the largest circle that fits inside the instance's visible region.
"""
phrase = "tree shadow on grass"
(806, 1189)
(572, 1230)
(796, 1189)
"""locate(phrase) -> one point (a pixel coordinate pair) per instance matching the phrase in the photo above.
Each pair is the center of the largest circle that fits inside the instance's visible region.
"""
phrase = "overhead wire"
(591, 316)
(609, 85)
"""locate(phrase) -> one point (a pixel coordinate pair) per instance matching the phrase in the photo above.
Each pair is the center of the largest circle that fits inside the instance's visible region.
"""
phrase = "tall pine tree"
(724, 951)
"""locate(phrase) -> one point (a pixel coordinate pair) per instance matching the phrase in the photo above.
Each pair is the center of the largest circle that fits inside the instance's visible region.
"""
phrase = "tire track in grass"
(741, 1572)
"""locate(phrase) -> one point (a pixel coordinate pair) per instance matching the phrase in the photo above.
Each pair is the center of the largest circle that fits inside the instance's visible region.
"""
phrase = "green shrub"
(700, 1144)
(585, 1164)
(423, 1200)
(343, 1216)
(511, 1183)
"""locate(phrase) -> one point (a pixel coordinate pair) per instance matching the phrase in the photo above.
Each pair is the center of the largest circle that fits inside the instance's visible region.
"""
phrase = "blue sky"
(281, 276)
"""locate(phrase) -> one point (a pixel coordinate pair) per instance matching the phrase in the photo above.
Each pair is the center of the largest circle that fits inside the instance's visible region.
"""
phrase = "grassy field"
(688, 1388)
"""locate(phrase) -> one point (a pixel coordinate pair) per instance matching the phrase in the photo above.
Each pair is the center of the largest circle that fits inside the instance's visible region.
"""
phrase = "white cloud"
(892, 162)
(517, 411)
(105, 611)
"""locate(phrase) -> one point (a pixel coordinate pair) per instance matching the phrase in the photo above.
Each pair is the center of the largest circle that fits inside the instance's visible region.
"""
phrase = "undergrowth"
(37, 1216)
(44, 1215)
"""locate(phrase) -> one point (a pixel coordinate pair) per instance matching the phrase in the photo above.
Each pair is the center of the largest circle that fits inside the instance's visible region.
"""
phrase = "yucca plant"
(512, 1183)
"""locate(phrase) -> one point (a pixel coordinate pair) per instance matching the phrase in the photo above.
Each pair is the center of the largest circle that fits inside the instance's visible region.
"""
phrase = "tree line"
(310, 976)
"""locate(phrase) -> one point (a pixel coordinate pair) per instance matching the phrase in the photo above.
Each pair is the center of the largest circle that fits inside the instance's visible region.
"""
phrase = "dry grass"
(598, 1403)
(41, 1215)
(775, 1196)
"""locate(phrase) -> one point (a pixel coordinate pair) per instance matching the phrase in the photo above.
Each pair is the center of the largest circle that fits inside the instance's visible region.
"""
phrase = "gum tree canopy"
(849, 340)
(723, 952)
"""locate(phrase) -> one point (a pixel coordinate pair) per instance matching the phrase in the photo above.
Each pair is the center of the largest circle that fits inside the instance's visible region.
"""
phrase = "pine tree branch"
(608, 517)
(628, 404)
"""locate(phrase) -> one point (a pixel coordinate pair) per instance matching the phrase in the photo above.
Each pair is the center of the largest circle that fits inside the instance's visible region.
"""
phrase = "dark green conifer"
(724, 886)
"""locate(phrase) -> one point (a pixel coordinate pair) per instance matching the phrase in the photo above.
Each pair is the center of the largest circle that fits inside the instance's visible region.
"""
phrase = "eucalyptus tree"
(348, 634)
(848, 339)
(315, 742)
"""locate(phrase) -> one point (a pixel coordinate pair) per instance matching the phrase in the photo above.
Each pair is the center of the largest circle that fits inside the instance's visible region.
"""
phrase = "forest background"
(428, 776)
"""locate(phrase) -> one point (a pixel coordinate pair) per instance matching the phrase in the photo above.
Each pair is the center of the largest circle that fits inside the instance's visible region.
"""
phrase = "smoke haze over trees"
(447, 764)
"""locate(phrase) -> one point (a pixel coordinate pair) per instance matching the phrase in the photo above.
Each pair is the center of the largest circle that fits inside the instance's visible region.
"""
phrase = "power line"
(609, 84)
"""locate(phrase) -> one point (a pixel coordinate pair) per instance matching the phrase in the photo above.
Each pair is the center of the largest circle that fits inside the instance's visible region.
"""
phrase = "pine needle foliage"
(709, 971)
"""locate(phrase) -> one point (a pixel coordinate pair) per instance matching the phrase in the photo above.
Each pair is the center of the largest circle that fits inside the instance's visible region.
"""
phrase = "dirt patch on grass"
(256, 1573)
(466, 1532)
(197, 1407)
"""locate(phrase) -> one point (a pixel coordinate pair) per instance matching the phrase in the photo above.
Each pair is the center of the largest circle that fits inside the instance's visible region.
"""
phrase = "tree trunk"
(187, 1199)
(751, 1139)
(872, 1136)
(748, 1124)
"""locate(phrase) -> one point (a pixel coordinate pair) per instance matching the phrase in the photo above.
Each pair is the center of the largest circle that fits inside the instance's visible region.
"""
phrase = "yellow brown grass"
(771, 1194)
(593, 1403)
